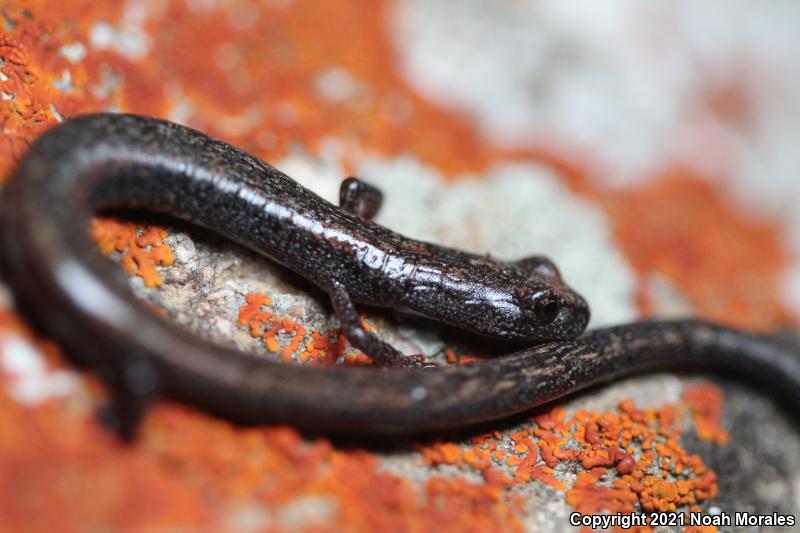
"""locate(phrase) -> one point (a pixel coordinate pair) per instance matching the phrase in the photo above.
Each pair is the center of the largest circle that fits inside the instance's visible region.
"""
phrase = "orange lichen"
(142, 248)
(264, 324)
(252, 315)
(453, 357)
(730, 265)
(321, 349)
(653, 471)
(705, 402)
(38, 83)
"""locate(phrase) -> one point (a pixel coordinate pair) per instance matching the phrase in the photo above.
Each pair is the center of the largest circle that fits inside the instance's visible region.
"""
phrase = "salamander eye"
(546, 309)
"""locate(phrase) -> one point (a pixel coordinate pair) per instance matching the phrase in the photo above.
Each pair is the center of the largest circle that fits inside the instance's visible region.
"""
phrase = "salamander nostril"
(546, 309)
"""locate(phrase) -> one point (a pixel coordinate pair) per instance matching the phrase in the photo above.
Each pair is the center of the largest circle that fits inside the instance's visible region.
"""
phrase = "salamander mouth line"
(78, 297)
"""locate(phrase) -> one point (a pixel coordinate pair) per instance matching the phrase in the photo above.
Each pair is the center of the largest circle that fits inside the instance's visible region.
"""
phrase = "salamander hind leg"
(360, 198)
(382, 353)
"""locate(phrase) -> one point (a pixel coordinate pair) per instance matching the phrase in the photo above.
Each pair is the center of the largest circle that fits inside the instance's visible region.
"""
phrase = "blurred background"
(648, 148)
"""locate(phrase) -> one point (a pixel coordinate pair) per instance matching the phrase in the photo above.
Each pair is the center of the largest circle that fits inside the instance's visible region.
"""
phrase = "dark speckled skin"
(80, 298)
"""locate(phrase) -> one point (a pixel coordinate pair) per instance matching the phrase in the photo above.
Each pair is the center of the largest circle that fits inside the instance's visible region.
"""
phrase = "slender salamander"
(102, 161)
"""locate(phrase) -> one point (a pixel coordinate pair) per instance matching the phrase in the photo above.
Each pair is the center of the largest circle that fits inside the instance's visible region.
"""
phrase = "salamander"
(105, 161)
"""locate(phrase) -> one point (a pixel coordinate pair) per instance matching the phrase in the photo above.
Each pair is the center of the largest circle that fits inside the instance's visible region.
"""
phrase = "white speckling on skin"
(31, 383)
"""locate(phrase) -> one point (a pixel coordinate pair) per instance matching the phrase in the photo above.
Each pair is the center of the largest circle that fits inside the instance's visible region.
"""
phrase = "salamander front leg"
(366, 341)
(132, 385)
(360, 198)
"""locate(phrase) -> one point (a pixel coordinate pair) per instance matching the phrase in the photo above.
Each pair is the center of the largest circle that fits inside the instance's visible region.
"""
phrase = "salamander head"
(552, 311)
